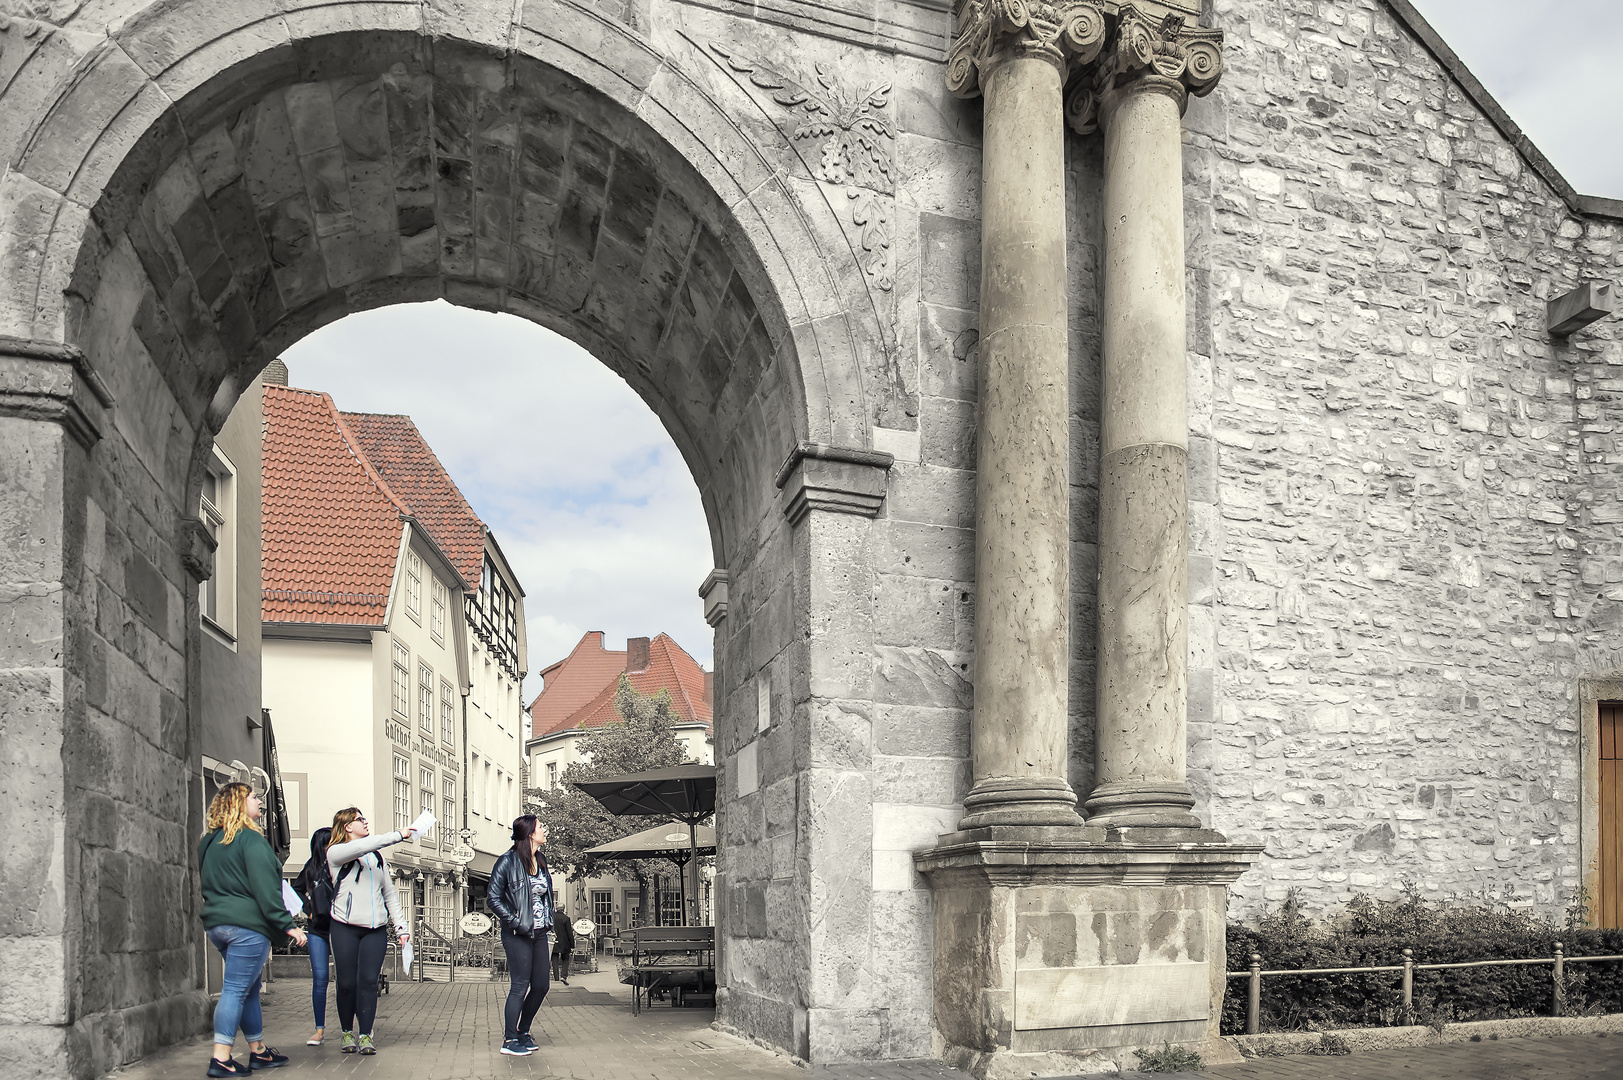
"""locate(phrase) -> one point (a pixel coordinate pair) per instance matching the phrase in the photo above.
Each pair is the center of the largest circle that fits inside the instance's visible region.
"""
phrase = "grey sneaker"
(366, 1045)
(349, 1043)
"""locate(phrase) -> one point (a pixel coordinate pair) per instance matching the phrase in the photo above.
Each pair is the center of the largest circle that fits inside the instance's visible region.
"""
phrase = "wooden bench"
(659, 952)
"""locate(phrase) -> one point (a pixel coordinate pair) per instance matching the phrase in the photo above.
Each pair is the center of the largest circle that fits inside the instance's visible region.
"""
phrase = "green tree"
(575, 821)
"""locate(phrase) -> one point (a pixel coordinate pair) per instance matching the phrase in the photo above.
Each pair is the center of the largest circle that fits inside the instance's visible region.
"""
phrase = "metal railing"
(1558, 991)
(431, 941)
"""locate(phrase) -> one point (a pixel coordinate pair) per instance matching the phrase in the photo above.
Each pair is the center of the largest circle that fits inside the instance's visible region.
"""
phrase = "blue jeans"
(320, 950)
(245, 952)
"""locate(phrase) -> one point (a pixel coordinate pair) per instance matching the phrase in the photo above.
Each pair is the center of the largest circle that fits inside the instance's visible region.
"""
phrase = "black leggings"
(529, 962)
(357, 958)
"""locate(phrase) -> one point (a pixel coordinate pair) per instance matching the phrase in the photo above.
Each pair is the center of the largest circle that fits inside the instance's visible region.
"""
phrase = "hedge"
(1374, 933)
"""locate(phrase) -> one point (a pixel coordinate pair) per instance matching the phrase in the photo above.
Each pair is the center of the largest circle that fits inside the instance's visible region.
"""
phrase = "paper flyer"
(291, 901)
(424, 822)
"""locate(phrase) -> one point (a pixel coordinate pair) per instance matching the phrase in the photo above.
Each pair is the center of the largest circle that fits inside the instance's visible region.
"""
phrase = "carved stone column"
(1061, 946)
(1138, 94)
(1019, 56)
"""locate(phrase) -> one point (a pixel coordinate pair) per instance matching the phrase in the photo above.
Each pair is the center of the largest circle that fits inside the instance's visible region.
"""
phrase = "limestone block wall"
(1405, 529)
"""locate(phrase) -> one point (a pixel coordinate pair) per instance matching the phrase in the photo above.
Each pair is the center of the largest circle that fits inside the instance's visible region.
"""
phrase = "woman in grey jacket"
(364, 903)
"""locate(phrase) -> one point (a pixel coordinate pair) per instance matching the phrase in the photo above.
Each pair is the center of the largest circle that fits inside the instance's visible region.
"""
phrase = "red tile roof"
(669, 668)
(574, 681)
(399, 452)
(331, 524)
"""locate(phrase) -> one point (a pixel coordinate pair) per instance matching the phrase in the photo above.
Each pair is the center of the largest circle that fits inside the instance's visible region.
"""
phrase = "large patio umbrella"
(672, 841)
(684, 792)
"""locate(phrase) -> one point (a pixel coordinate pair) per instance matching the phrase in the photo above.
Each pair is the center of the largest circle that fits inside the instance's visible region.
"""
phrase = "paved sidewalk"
(439, 1031)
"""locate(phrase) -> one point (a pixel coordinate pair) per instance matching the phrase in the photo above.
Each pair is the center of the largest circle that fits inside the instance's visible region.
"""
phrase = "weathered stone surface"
(1402, 497)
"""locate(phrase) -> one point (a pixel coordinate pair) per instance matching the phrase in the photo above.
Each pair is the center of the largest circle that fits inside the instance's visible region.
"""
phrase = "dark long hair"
(524, 827)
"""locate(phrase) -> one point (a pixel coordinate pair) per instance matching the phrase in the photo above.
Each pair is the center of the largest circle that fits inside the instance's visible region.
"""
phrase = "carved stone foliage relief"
(849, 143)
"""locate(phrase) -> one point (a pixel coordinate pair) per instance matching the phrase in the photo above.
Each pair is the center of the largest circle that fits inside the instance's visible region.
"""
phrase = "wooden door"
(1608, 906)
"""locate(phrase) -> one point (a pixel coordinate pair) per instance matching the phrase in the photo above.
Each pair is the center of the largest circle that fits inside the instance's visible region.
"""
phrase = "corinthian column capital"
(1145, 54)
(1069, 33)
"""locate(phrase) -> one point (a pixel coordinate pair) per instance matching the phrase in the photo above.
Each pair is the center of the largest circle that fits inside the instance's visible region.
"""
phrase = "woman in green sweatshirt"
(242, 912)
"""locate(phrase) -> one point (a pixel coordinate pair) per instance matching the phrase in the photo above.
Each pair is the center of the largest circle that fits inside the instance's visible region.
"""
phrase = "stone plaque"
(1115, 994)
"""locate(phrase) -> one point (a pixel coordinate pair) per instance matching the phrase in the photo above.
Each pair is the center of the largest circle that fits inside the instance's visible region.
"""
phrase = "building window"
(402, 793)
(402, 680)
(670, 907)
(436, 612)
(485, 792)
(447, 713)
(217, 507)
(552, 774)
(428, 786)
(448, 805)
(603, 910)
(425, 698)
(414, 586)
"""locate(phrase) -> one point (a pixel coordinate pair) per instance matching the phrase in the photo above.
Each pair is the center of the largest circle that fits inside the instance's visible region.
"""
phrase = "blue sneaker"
(516, 1048)
(524, 1037)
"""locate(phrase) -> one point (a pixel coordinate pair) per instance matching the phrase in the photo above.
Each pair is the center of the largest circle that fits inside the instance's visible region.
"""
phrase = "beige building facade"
(365, 655)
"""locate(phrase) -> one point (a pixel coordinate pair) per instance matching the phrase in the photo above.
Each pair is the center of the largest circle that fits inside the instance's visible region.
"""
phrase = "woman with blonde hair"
(364, 903)
(242, 913)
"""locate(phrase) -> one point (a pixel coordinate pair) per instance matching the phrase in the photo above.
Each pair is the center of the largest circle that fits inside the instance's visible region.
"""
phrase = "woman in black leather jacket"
(521, 896)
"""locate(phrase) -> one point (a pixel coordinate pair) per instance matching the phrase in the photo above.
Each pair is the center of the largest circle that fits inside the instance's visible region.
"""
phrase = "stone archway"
(208, 182)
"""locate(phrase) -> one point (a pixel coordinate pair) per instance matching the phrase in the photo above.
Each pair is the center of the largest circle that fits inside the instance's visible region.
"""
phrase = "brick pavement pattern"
(449, 1031)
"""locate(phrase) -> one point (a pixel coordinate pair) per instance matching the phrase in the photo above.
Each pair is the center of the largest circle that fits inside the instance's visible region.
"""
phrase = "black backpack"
(343, 873)
(322, 889)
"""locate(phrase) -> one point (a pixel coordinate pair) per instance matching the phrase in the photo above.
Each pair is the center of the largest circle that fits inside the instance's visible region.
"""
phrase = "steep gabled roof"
(331, 524)
(574, 681)
(669, 668)
(399, 452)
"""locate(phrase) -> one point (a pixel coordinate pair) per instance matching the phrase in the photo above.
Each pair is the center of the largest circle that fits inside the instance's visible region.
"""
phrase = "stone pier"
(1061, 945)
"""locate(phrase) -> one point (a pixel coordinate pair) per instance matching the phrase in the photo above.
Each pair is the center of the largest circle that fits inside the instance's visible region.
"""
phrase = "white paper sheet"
(405, 958)
(291, 901)
(424, 822)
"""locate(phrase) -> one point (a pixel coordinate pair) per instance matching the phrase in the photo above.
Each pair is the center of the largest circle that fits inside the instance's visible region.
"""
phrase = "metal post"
(1559, 994)
(1408, 985)
(1253, 1008)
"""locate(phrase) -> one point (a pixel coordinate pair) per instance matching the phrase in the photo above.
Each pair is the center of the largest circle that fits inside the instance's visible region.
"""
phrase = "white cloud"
(575, 475)
(1551, 67)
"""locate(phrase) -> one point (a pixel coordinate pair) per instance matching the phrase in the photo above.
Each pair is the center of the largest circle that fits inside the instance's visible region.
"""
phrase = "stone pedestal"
(1059, 951)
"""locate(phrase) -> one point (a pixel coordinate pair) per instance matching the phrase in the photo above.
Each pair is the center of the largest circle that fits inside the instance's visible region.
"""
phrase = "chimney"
(637, 654)
(710, 690)
(275, 373)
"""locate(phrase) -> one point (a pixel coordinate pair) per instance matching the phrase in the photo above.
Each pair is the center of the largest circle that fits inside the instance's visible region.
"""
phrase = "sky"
(578, 480)
(1551, 64)
(585, 491)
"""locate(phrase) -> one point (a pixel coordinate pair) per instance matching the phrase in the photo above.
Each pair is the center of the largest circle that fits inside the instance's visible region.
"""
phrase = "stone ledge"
(838, 479)
(1360, 1039)
(1088, 855)
(52, 382)
(713, 592)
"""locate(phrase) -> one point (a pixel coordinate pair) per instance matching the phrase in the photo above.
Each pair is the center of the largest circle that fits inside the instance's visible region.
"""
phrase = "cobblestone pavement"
(440, 1031)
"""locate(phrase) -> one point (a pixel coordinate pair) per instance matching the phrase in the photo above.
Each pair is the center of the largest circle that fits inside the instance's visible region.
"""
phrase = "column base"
(1062, 949)
(1142, 804)
(1038, 801)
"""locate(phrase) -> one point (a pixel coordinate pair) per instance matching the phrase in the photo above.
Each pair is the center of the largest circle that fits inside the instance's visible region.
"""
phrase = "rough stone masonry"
(1404, 568)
